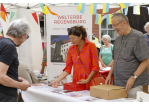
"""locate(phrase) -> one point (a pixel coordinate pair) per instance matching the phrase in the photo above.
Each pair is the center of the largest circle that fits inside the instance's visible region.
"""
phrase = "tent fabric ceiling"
(36, 6)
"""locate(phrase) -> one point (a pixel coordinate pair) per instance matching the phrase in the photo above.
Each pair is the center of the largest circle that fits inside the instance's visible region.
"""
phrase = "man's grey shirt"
(128, 53)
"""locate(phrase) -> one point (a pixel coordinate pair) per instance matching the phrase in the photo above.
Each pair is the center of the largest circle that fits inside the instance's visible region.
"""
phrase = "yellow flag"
(79, 7)
(99, 20)
(91, 8)
(46, 10)
(110, 19)
(122, 5)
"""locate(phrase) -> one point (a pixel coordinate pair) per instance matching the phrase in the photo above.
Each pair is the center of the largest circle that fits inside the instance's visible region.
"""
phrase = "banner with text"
(57, 37)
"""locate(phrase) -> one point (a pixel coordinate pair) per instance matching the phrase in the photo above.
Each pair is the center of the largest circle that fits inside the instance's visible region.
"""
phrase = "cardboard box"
(146, 88)
(108, 92)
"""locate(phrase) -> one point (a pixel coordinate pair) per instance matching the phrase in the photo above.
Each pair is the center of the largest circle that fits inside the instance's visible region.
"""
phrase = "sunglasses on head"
(72, 30)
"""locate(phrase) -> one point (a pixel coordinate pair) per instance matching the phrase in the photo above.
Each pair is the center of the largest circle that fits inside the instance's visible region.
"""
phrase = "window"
(62, 50)
(107, 29)
(67, 44)
(62, 46)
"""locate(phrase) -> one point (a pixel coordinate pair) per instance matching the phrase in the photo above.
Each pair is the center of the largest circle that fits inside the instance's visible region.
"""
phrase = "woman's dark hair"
(77, 31)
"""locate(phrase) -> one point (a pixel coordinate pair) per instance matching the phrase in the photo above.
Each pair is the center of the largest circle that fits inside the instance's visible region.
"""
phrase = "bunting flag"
(3, 9)
(98, 19)
(124, 5)
(136, 10)
(2, 15)
(105, 7)
(119, 11)
(108, 18)
(81, 8)
(127, 4)
(42, 6)
(93, 8)
(51, 11)
(35, 17)
(76, 3)
(148, 10)
(126, 10)
(11, 16)
(46, 10)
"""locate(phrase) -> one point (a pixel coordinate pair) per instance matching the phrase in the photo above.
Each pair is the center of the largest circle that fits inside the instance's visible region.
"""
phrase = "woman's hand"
(108, 66)
(108, 80)
(54, 84)
(103, 65)
(83, 81)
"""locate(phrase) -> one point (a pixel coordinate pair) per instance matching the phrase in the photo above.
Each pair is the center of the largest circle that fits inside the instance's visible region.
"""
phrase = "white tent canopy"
(36, 6)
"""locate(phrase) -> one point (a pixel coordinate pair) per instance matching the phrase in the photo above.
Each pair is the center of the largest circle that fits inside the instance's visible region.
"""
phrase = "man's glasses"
(116, 24)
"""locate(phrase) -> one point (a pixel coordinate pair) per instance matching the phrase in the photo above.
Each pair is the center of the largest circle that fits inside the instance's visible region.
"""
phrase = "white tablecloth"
(50, 94)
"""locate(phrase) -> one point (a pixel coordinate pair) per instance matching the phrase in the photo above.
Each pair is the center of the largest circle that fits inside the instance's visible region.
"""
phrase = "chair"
(26, 72)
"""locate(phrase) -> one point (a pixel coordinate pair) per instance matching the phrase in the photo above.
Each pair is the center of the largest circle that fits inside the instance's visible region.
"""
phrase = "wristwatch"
(134, 76)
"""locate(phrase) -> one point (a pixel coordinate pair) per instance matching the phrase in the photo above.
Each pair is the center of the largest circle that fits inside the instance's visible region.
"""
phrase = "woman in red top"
(88, 55)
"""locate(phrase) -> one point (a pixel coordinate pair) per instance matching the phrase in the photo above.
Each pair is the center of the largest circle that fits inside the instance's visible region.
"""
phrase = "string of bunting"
(81, 9)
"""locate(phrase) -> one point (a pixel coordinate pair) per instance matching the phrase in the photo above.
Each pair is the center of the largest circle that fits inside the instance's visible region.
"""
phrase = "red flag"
(35, 17)
(3, 9)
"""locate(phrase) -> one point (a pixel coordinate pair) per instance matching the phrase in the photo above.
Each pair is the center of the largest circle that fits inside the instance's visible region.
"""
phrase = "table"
(49, 94)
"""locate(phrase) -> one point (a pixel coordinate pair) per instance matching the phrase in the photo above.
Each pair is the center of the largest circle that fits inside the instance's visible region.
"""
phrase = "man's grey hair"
(19, 27)
(146, 25)
(120, 17)
(107, 37)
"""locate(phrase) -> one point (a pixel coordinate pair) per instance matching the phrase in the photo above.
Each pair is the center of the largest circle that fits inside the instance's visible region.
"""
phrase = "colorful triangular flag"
(93, 8)
(124, 5)
(3, 9)
(46, 10)
(11, 16)
(42, 6)
(136, 10)
(105, 7)
(126, 10)
(2, 15)
(98, 19)
(51, 11)
(81, 8)
(35, 17)
(108, 18)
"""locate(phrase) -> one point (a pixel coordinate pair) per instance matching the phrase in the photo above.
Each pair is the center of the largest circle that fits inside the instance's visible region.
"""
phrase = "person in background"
(105, 56)
(130, 55)
(88, 54)
(146, 28)
(44, 61)
(17, 33)
(96, 42)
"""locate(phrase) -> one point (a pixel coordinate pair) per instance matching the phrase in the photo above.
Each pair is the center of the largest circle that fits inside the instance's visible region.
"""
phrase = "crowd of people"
(128, 58)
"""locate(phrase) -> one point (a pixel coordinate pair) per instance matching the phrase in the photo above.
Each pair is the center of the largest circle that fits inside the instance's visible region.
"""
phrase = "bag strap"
(111, 48)
(81, 63)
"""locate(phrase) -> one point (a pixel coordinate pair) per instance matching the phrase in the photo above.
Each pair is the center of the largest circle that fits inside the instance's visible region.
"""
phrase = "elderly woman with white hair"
(146, 28)
(105, 56)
